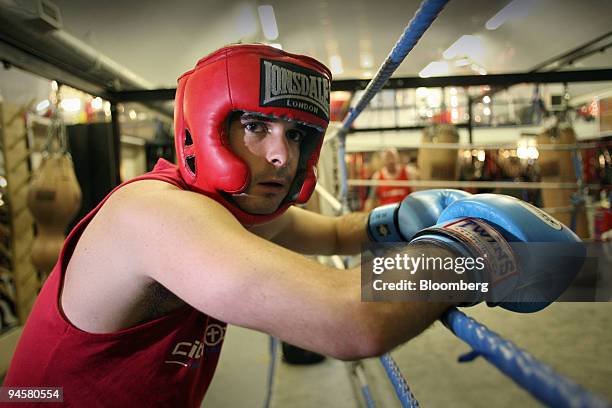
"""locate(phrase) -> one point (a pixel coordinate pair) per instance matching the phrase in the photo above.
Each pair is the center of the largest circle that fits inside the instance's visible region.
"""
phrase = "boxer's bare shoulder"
(101, 293)
(149, 234)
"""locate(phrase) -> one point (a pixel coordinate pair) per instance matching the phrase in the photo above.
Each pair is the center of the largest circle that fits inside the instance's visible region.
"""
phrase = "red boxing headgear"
(249, 78)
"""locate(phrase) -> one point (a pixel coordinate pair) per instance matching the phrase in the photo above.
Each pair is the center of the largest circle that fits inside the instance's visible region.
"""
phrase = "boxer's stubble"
(272, 159)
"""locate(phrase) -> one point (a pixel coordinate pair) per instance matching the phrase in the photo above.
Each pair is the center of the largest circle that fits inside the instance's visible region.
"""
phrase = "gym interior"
(507, 97)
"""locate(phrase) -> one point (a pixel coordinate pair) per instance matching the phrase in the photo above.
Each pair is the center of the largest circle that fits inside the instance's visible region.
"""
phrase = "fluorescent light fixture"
(268, 21)
(454, 115)
(513, 10)
(245, 22)
(71, 104)
(335, 63)
(366, 60)
(477, 68)
(422, 92)
(526, 149)
(435, 68)
(96, 103)
(466, 46)
(462, 62)
(42, 105)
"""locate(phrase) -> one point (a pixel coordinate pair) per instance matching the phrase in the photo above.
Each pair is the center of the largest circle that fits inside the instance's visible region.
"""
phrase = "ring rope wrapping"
(402, 390)
(273, 348)
(364, 387)
(544, 383)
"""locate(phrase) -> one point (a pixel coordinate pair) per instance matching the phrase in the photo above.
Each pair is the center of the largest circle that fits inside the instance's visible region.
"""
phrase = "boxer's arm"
(307, 232)
(195, 248)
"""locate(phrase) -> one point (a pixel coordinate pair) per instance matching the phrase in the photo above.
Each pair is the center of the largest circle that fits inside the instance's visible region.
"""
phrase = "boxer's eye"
(295, 135)
(255, 127)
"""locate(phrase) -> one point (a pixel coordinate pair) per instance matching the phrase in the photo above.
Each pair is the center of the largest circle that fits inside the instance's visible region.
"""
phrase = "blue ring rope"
(271, 370)
(539, 379)
(359, 375)
(423, 18)
(399, 383)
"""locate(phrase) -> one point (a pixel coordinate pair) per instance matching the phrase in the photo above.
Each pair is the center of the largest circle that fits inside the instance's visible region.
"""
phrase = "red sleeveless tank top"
(392, 194)
(167, 362)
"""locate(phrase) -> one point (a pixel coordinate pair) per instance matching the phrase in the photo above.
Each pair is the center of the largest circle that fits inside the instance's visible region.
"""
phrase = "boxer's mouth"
(273, 184)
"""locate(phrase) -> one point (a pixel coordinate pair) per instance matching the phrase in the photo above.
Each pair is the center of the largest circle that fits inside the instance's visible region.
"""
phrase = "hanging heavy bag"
(54, 197)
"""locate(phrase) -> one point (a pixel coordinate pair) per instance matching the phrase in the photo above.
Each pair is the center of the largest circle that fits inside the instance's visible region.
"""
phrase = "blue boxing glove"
(523, 278)
(399, 222)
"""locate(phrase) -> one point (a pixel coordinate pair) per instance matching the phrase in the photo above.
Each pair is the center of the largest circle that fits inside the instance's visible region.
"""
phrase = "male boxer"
(134, 313)
(393, 170)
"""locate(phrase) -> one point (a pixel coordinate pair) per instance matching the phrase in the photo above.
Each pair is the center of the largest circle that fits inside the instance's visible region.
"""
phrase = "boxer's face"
(271, 149)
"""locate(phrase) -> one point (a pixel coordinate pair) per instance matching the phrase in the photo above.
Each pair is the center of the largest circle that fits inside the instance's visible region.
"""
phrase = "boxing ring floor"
(574, 338)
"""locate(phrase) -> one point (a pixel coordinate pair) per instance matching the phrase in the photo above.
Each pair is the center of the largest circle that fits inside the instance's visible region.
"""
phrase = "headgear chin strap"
(249, 78)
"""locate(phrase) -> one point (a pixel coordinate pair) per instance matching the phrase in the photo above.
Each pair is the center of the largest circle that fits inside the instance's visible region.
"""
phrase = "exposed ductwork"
(30, 39)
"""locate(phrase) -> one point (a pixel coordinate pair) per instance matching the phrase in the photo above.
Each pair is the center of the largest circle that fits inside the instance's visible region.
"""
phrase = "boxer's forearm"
(388, 324)
(351, 233)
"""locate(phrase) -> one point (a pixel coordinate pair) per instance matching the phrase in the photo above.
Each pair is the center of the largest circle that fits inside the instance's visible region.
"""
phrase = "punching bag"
(438, 164)
(558, 166)
(54, 197)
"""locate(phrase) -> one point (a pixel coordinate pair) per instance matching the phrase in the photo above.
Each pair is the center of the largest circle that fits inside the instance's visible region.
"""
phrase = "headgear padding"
(249, 78)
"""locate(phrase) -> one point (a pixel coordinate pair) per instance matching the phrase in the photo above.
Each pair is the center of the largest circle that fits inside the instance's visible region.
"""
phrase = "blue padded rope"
(271, 370)
(399, 383)
(577, 199)
(358, 372)
(421, 21)
(539, 379)
(367, 396)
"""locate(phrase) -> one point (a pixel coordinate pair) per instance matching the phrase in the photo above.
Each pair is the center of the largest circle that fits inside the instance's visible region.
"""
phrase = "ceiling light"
(42, 105)
(435, 68)
(245, 22)
(96, 103)
(366, 60)
(462, 62)
(335, 63)
(422, 92)
(514, 9)
(71, 104)
(465, 46)
(454, 115)
(268, 21)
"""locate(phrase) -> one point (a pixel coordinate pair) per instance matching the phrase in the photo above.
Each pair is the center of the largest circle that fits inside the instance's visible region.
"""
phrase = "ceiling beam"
(415, 82)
